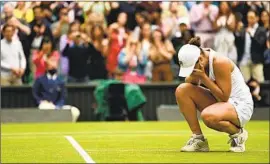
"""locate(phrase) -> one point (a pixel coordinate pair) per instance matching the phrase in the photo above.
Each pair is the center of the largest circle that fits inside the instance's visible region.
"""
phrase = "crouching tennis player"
(225, 101)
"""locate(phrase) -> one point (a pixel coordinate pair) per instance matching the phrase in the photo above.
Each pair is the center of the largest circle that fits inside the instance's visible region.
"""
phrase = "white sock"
(198, 136)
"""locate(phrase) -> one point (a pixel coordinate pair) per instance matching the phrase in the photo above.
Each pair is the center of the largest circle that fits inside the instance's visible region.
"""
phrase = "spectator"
(49, 91)
(64, 40)
(251, 44)
(202, 17)
(254, 86)
(266, 69)
(141, 19)
(145, 44)
(93, 19)
(265, 18)
(13, 60)
(161, 53)
(117, 34)
(12, 20)
(61, 27)
(22, 32)
(177, 12)
(98, 50)
(46, 52)
(225, 26)
(179, 40)
(39, 28)
(78, 56)
(132, 62)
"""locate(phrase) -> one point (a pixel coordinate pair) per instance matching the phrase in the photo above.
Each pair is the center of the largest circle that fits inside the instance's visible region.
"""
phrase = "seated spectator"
(161, 53)
(98, 49)
(225, 26)
(254, 86)
(49, 91)
(13, 60)
(251, 44)
(46, 52)
(78, 56)
(132, 62)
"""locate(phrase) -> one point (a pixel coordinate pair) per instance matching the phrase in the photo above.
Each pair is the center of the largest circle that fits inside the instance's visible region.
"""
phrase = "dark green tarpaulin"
(133, 94)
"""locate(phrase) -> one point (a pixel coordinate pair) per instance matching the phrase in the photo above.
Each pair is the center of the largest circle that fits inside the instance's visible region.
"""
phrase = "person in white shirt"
(13, 60)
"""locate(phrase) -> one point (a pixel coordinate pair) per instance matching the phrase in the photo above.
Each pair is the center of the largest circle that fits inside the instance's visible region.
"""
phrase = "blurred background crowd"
(134, 42)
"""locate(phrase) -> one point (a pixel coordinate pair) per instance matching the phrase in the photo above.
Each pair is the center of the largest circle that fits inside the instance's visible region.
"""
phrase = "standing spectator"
(266, 68)
(117, 34)
(202, 16)
(61, 27)
(13, 60)
(132, 62)
(225, 26)
(251, 44)
(49, 91)
(177, 12)
(46, 52)
(141, 19)
(265, 18)
(145, 44)
(98, 50)
(22, 32)
(39, 28)
(12, 20)
(78, 57)
(161, 53)
(64, 40)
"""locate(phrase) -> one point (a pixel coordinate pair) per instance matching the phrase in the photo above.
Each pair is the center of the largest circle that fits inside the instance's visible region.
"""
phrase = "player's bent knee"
(182, 90)
(209, 118)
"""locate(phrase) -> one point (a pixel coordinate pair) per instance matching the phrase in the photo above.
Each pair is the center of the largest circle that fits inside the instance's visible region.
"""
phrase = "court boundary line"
(80, 150)
(114, 132)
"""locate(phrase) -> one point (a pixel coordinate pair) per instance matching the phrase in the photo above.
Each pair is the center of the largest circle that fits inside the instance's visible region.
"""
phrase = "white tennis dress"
(240, 96)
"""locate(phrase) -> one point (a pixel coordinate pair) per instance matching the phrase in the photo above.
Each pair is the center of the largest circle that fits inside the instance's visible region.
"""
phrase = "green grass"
(125, 142)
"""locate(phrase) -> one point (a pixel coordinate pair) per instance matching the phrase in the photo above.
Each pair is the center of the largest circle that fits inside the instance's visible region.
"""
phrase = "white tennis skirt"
(244, 108)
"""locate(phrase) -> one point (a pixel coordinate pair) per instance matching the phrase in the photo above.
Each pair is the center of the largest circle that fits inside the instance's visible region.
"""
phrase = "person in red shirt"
(45, 52)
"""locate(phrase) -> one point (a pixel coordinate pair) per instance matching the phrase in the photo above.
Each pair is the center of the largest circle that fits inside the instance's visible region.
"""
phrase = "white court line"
(117, 133)
(80, 150)
(154, 150)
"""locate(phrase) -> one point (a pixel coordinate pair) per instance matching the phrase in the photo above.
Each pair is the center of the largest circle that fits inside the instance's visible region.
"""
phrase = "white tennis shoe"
(196, 145)
(238, 141)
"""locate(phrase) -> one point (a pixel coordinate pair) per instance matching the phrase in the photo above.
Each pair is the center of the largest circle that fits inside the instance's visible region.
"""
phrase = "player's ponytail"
(196, 41)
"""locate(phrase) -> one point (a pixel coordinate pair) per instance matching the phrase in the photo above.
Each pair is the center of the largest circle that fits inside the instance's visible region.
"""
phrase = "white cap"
(188, 55)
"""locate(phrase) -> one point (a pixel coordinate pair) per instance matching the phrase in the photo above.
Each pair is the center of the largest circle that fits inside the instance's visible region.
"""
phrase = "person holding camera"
(46, 51)
(77, 52)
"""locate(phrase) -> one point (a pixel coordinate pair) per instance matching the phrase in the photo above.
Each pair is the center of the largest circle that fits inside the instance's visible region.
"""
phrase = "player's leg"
(223, 117)
(189, 98)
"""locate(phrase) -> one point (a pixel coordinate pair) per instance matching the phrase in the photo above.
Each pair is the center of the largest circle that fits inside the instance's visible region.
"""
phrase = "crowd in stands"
(131, 41)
